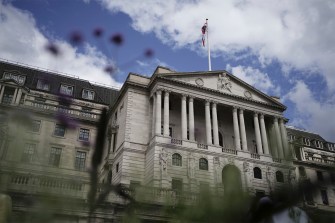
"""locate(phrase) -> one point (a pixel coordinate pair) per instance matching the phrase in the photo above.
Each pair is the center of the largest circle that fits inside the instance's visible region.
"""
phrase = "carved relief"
(199, 82)
(270, 178)
(191, 166)
(217, 170)
(163, 159)
(231, 160)
(224, 82)
(292, 177)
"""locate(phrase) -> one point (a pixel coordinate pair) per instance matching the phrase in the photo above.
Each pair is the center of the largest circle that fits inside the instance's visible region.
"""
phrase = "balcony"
(42, 106)
(200, 147)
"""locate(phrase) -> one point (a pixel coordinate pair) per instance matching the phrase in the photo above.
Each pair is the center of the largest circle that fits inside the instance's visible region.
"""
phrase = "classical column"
(153, 124)
(278, 138)
(1, 93)
(183, 118)
(236, 130)
(258, 134)
(191, 119)
(264, 135)
(14, 96)
(208, 124)
(111, 146)
(158, 127)
(215, 125)
(284, 137)
(166, 114)
(18, 97)
(243, 134)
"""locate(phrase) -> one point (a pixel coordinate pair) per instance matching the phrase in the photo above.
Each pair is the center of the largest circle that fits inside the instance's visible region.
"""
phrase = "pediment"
(223, 82)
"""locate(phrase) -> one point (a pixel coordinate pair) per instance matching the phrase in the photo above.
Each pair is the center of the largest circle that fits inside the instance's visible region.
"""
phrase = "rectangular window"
(28, 153)
(84, 134)
(324, 196)
(54, 158)
(306, 141)
(117, 167)
(88, 94)
(177, 185)
(35, 126)
(319, 176)
(18, 78)
(66, 89)
(80, 161)
(8, 95)
(43, 85)
(59, 130)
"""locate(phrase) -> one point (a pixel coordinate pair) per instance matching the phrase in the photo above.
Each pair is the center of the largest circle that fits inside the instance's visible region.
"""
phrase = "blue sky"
(285, 49)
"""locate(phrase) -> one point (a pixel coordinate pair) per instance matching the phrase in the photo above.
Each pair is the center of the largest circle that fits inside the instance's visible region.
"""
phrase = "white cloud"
(147, 67)
(22, 41)
(299, 34)
(310, 113)
(255, 78)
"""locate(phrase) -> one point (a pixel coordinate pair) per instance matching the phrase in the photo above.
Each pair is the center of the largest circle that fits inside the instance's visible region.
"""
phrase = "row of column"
(238, 124)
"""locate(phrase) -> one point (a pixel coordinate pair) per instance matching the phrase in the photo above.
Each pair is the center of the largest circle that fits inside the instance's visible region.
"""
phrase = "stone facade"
(172, 132)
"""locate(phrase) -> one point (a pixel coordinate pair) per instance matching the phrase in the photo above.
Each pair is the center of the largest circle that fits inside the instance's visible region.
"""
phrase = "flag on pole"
(204, 30)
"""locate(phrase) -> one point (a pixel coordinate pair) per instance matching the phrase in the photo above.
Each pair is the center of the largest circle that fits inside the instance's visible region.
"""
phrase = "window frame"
(280, 177)
(82, 139)
(21, 79)
(78, 164)
(68, 86)
(177, 160)
(32, 127)
(54, 155)
(41, 85)
(324, 195)
(258, 175)
(89, 91)
(203, 164)
(27, 155)
(54, 132)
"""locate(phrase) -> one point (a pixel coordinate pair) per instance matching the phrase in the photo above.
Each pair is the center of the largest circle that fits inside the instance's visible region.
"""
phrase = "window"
(59, 130)
(257, 173)
(318, 144)
(332, 178)
(66, 89)
(35, 126)
(18, 78)
(88, 94)
(177, 185)
(291, 138)
(176, 159)
(43, 85)
(324, 196)
(280, 177)
(306, 141)
(54, 157)
(117, 167)
(84, 134)
(8, 95)
(80, 160)
(319, 175)
(28, 153)
(302, 171)
(331, 147)
(203, 164)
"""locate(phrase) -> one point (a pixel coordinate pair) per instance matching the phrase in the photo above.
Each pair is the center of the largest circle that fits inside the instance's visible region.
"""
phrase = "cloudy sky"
(284, 48)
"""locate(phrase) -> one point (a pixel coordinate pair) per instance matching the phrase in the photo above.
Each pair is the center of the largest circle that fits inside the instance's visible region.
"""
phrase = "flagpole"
(209, 49)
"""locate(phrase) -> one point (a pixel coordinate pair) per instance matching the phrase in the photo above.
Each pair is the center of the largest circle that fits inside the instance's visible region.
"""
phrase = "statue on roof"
(224, 82)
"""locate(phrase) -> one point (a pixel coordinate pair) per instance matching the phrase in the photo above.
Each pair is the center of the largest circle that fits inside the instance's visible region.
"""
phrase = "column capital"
(213, 105)
(184, 96)
(256, 114)
(158, 91)
(166, 92)
(275, 118)
(261, 115)
(281, 119)
(190, 99)
(235, 108)
(241, 110)
(207, 102)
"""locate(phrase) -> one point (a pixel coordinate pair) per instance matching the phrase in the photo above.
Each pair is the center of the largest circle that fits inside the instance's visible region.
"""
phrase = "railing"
(231, 151)
(320, 160)
(255, 156)
(176, 141)
(277, 160)
(61, 109)
(202, 146)
(46, 182)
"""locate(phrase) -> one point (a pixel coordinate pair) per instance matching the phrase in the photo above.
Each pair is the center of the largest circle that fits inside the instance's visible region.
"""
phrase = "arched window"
(280, 177)
(176, 160)
(203, 164)
(257, 173)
